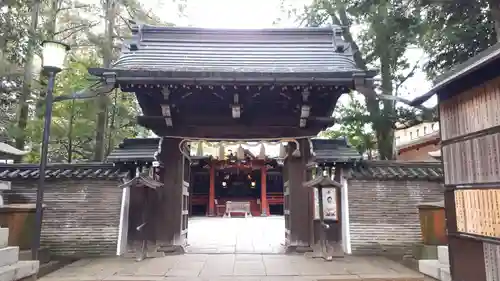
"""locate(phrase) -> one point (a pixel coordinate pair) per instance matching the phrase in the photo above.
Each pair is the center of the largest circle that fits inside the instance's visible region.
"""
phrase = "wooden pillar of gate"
(211, 191)
(263, 192)
(299, 198)
(170, 220)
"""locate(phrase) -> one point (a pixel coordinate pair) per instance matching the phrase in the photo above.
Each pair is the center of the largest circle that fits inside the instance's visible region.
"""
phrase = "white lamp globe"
(54, 54)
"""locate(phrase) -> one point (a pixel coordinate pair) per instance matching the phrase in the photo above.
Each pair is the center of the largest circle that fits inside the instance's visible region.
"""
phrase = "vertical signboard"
(330, 210)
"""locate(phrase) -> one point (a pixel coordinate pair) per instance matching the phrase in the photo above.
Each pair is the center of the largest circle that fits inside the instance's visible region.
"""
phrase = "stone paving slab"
(216, 235)
(256, 267)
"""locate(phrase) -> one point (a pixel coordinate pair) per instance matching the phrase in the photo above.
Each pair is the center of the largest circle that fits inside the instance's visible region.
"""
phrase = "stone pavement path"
(264, 235)
(253, 267)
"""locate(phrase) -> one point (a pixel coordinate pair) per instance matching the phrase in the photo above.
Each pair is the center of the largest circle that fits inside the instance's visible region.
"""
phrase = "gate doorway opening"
(236, 235)
(236, 199)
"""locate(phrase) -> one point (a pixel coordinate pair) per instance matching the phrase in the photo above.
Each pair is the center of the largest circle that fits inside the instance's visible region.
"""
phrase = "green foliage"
(354, 123)
(456, 31)
(387, 29)
(95, 31)
(73, 122)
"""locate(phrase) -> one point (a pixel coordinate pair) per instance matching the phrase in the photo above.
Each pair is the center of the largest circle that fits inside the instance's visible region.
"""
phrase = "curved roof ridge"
(309, 51)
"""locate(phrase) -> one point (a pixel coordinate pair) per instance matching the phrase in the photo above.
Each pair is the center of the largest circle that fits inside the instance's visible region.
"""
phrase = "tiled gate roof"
(135, 150)
(334, 150)
(186, 49)
(62, 171)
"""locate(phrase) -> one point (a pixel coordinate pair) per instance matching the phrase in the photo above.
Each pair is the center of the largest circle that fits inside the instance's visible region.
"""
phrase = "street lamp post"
(53, 56)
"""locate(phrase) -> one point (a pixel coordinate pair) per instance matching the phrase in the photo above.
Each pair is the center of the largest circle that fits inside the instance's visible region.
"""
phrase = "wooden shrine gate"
(250, 85)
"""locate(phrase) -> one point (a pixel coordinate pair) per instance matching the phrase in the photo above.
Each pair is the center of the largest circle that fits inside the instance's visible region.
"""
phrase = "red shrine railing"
(275, 198)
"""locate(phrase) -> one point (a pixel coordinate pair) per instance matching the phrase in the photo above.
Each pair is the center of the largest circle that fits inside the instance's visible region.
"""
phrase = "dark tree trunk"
(102, 101)
(381, 124)
(23, 109)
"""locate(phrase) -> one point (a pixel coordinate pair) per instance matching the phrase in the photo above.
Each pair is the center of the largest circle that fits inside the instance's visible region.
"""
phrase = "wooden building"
(469, 102)
(246, 85)
(215, 180)
(421, 149)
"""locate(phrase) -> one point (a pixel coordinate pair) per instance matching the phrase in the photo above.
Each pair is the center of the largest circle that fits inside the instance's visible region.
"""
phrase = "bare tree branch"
(410, 74)
(71, 8)
(78, 27)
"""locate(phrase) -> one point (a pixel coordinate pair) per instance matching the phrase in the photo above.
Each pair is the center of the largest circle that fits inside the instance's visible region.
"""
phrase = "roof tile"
(334, 150)
(398, 170)
(292, 50)
(58, 171)
(135, 150)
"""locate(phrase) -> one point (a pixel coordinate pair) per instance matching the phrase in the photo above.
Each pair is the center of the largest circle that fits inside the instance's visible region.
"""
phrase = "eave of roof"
(334, 150)
(135, 150)
(471, 65)
(10, 150)
(148, 76)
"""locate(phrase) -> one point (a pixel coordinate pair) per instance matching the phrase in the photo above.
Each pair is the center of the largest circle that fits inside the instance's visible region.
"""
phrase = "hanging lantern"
(262, 152)
(199, 151)
(240, 153)
(221, 151)
(282, 151)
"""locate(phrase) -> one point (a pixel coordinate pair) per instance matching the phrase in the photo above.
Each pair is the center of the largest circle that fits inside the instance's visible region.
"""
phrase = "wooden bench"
(238, 207)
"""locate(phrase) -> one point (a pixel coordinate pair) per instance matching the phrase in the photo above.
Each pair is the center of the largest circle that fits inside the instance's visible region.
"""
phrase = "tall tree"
(75, 23)
(116, 15)
(13, 34)
(22, 118)
(74, 122)
(457, 30)
(110, 8)
(388, 28)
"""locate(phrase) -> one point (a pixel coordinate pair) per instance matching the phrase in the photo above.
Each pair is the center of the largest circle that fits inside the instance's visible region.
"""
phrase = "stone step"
(424, 252)
(4, 237)
(443, 255)
(430, 268)
(9, 255)
(43, 255)
(18, 270)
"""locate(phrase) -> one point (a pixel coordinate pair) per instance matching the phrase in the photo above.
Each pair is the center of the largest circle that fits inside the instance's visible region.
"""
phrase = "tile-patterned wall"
(384, 215)
(81, 217)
